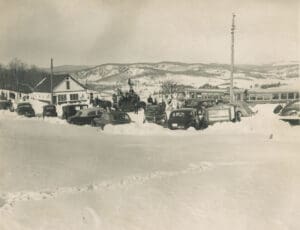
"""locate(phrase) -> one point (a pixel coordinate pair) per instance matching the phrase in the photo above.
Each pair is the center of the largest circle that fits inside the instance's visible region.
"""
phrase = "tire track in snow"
(10, 199)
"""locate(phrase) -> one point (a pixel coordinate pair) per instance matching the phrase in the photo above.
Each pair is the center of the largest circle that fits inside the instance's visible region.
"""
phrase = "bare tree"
(17, 68)
(169, 87)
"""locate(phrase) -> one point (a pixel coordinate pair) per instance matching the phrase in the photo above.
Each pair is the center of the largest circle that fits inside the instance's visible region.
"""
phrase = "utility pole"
(232, 99)
(51, 82)
(17, 81)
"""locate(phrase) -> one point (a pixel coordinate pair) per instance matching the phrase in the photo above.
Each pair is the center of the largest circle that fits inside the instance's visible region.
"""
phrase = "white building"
(65, 90)
(11, 93)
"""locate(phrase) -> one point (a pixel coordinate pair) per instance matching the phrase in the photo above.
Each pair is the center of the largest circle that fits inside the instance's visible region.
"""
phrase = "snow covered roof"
(45, 84)
(22, 88)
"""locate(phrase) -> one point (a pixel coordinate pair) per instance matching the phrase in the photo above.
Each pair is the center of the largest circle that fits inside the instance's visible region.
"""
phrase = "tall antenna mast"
(51, 82)
(232, 59)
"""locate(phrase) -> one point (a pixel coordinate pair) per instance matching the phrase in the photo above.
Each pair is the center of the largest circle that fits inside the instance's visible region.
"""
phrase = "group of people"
(128, 99)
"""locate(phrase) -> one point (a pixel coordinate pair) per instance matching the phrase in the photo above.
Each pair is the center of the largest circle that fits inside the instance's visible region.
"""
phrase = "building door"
(54, 100)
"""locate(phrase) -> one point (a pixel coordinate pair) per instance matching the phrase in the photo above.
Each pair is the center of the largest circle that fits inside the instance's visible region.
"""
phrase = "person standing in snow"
(150, 100)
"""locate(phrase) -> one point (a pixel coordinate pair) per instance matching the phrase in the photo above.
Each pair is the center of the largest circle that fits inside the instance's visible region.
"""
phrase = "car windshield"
(92, 113)
(50, 108)
(192, 103)
(120, 116)
(181, 113)
(78, 114)
(24, 106)
(77, 108)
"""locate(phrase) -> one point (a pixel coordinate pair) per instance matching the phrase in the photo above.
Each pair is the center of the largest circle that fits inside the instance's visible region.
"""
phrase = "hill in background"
(151, 75)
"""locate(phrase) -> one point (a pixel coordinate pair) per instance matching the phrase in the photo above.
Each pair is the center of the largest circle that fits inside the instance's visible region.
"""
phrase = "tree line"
(18, 75)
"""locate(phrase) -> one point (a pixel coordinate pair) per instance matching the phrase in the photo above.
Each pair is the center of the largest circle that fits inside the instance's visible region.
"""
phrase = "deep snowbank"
(141, 176)
(263, 123)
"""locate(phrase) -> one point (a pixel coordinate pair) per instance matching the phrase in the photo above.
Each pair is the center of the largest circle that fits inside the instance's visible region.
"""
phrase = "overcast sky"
(93, 32)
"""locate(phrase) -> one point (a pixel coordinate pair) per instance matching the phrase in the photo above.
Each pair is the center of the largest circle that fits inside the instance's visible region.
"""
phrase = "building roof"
(22, 88)
(45, 84)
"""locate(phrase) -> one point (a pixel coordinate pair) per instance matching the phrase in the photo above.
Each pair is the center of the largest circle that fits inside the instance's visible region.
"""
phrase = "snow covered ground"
(242, 175)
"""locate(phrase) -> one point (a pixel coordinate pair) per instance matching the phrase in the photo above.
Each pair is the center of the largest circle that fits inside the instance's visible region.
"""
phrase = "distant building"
(15, 93)
(65, 90)
(253, 95)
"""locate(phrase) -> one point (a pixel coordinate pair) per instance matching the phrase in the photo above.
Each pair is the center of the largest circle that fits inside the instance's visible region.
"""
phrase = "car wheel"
(170, 126)
(238, 116)
(197, 126)
(93, 123)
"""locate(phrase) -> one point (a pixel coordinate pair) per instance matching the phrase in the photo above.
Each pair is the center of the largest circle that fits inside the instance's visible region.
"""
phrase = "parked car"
(185, 118)
(112, 117)
(71, 110)
(291, 113)
(49, 111)
(243, 109)
(221, 113)
(6, 105)
(85, 116)
(25, 109)
(198, 103)
(128, 101)
(156, 114)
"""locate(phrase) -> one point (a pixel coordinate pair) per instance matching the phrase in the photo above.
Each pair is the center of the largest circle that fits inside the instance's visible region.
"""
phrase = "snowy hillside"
(149, 74)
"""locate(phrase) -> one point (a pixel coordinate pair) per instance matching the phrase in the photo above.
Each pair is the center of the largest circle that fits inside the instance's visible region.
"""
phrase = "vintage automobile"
(185, 118)
(242, 109)
(221, 113)
(198, 103)
(105, 104)
(71, 110)
(49, 111)
(85, 116)
(25, 109)
(291, 113)
(6, 105)
(127, 101)
(155, 113)
(112, 117)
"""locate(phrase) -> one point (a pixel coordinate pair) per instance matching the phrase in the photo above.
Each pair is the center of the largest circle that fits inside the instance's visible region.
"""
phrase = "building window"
(275, 96)
(283, 96)
(62, 97)
(74, 97)
(67, 84)
(297, 95)
(252, 97)
(290, 95)
(259, 97)
(267, 97)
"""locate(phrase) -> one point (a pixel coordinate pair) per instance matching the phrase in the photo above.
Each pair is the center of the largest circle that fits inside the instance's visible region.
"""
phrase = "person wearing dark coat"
(136, 107)
(150, 100)
(96, 101)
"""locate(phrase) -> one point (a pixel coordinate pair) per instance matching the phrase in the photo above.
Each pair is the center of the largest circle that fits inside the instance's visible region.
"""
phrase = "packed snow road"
(231, 176)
